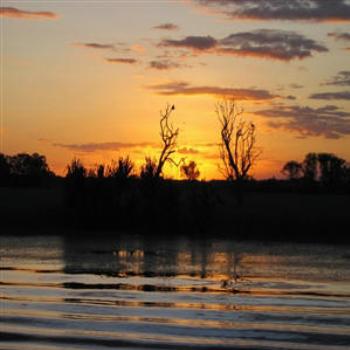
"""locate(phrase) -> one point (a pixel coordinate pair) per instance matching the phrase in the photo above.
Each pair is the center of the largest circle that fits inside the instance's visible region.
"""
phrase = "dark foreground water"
(135, 293)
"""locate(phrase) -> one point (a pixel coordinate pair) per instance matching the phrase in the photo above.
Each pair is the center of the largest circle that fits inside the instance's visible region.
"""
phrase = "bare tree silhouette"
(169, 136)
(238, 150)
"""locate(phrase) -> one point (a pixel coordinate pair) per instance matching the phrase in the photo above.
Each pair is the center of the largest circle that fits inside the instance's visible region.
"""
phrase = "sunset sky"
(88, 79)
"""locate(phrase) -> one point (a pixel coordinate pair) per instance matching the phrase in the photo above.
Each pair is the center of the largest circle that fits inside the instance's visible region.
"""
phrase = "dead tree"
(169, 136)
(238, 150)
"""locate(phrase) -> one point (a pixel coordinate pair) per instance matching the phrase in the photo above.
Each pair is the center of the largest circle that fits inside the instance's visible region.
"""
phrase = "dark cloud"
(340, 95)
(167, 26)
(121, 60)
(184, 88)
(305, 10)
(267, 43)
(263, 43)
(197, 43)
(164, 64)
(101, 146)
(97, 46)
(329, 121)
(341, 79)
(340, 36)
(23, 14)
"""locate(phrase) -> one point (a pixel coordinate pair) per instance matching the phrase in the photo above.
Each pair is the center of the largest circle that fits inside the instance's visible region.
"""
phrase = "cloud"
(340, 95)
(96, 46)
(13, 12)
(305, 10)
(340, 36)
(122, 60)
(268, 43)
(101, 146)
(209, 144)
(184, 88)
(165, 65)
(329, 121)
(263, 43)
(166, 26)
(197, 43)
(188, 151)
(121, 48)
(341, 79)
(296, 86)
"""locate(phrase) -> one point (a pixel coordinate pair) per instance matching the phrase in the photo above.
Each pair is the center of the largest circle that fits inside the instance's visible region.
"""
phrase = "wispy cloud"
(340, 36)
(329, 121)
(102, 146)
(98, 46)
(121, 48)
(188, 151)
(122, 60)
(197, 43)
(305, 10)
(264, 43)
(295, 86)
(339, 95)
(341, 79)
(24, 14)
(167, 26)
(184, 88)
(165, 64)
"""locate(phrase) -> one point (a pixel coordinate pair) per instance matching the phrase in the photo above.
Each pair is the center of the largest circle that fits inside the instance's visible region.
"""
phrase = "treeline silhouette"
(326, 169)
(25, 170)
(317, 173)
(120, 197)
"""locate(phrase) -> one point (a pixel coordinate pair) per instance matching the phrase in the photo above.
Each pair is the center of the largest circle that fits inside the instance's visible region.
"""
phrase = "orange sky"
(87, 79)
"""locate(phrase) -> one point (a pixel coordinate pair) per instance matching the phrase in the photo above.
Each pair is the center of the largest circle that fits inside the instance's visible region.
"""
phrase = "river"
(131, 292)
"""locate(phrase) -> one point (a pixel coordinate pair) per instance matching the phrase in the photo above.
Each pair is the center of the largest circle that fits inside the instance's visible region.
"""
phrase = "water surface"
(141, 293)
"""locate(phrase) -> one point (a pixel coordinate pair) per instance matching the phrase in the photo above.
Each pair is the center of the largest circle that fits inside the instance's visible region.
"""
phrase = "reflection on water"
(134, 292)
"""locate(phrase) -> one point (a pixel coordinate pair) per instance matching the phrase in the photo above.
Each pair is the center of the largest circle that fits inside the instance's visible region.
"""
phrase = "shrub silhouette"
(100, 171)
(122, 169)
(149, 169)
(76, 170)
(190, 171)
